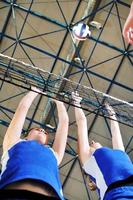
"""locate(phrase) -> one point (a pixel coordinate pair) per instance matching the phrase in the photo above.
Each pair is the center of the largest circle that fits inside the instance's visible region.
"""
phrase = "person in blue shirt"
(29, 165)
(110, 170)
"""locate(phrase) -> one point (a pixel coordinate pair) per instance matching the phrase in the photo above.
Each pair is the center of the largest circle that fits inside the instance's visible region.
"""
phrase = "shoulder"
(5, 152)
(88, 163)
(52, 150)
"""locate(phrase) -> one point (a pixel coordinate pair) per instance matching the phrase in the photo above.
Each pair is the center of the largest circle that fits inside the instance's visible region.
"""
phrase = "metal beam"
(39, 15)
(6, 22)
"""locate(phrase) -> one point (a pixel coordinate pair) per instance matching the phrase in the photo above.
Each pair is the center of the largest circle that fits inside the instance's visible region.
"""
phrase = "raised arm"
(128, 27)
(60, 140)
(83, 142)
(115, 130)
(14, 130)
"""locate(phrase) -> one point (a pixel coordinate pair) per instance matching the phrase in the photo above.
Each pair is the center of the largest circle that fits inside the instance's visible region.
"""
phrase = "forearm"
(116, 134)
(83, 137)
(22, 109)
(62, 113)
(17, 122)
(130, 15)
(83, 143)
(59, 144)
(129, 19)
(27, 100)
(60, 141)
(79, 115)
(14, 130)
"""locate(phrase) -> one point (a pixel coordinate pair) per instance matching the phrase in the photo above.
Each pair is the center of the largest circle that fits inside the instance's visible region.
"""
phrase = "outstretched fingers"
(130, 36)
(76, 98)
(110, 109)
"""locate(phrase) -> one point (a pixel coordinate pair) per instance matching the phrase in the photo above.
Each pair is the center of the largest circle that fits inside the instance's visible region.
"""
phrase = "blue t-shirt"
(31, 160)
(108, 166)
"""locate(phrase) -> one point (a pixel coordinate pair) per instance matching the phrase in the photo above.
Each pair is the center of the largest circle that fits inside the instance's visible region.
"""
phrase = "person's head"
(91, 184)
(38, 134)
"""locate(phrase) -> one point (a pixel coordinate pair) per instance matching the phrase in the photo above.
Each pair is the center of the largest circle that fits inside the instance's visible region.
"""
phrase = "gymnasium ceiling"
(39, 32)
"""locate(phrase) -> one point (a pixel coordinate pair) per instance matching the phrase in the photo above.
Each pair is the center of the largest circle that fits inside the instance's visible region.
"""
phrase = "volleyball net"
(26, 75)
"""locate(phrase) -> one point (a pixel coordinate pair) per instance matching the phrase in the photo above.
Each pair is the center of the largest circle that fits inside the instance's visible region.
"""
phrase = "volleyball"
(81, 31)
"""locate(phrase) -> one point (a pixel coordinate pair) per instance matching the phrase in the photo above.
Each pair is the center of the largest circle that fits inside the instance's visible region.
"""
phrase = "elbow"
(59, 157)
(83, 159)
(59, 160)
(84, 155)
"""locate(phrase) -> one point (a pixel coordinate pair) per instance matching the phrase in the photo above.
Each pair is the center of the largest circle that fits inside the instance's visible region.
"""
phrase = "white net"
(55, 86)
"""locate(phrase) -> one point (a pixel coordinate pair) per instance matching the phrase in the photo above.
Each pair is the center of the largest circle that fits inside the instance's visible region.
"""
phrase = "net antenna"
(26, 75)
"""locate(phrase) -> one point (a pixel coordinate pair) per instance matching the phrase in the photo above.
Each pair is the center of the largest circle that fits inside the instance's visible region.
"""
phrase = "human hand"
(128, 29)
(110, 109)
(76, 98)
(35, 89)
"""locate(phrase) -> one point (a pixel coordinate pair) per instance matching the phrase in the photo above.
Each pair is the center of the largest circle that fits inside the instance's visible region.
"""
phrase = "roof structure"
(39, 49)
